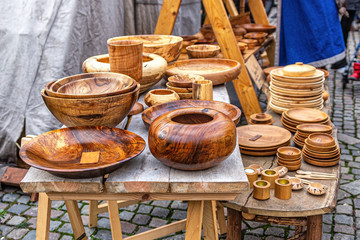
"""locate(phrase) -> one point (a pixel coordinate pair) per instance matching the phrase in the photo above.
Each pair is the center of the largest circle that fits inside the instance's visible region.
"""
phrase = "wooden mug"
(202, 90)
(126, 57)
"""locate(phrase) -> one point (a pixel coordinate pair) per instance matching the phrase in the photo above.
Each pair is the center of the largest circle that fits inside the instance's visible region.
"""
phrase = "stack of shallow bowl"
(182, 84)
(91, 99)
(321, 150)
(289, 157)
(304, 130)
(293, 117)
(261, 118)
(297, 85)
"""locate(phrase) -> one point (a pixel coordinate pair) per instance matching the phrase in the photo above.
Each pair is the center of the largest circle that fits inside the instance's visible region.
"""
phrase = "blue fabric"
(310, 31)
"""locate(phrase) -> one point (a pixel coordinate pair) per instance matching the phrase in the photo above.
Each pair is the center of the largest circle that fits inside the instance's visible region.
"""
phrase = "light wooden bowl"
(289, 152)
(184, 80)
(184, 96)
(321, 140)
(316, 189)
(251, 43)
(178, 89)
(158, 96)
(103, 111)
(203, 51)
(258, 36)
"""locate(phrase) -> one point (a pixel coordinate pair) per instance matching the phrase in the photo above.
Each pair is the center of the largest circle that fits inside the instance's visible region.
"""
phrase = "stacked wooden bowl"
(289, 157)
(293, 117)
(297, 85)
(321, 150)
(91, 99)
(182, 84)
(304, 130)
(261, 118)
(262, 140)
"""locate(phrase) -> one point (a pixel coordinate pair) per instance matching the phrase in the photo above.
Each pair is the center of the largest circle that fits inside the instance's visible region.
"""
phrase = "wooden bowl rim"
(154, 44)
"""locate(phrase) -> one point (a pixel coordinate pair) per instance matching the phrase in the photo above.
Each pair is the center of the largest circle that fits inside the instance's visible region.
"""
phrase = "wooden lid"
(299, 70)
(262, 136)
(306, 115)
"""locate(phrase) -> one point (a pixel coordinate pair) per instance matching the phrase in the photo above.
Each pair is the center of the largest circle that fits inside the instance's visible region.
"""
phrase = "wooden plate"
(312, 128)
(292, 105)
(295, 123)
(265, 149)
(289, 92)
(278, 73)
(184, 80)
(302, 98)
(297, 85)
(269, 69)
(151, 113)
(314, 102)
(178, 89)
(321, 139)
(61, 150)
(253, 27)
(289, 167)
(320, 149)
(268, 136)
(217, 70)
(306, 115)
(257, 153)
(322, 156)
(321, 164)
(298, 143)
(308, 90)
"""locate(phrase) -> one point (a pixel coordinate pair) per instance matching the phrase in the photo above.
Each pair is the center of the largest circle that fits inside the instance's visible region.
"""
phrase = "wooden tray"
(60, 151)
(217, 70)
(150, 114)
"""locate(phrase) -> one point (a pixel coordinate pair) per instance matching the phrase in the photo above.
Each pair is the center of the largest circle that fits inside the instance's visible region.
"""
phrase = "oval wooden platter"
(217, 70)
(151, 113)
(306, 115)
(253, 27)
(67, 152)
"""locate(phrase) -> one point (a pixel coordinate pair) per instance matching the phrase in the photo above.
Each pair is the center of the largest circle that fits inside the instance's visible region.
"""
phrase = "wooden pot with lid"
(299, 69)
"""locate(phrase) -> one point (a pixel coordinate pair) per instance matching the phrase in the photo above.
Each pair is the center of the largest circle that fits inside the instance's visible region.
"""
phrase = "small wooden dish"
(251, 43)
(289, 152)
(316, 189)
(203, 51)
(243, 47)
(296, 184)
(184, 80)
(320, 149)
(321, 140)
(258, 36)
(61, 151)
(184, 96)
(178, 89)
(261, 118)
(158, 96)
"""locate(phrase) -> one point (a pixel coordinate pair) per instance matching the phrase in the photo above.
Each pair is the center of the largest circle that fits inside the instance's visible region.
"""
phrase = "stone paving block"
(346, 201)
(346, 157)
(10, 189)
(104, 214)
(179, 205)
(256, 231)
(89, 231)
(326, 228)
(131, 208)
(85, 220)
(17, 209)
(344, 209)
(127, 227)
(57, 204)
(347, 176)
(344, 229)
(32, 222)
(17, 233)
(344, 169)
(104, 223)
(161, 203)
(275, 231)
(144, 208)
(103, 234)
(10, 197)
(342, 194)
(24, 199)
(157, 222)
(5, 218)
(178, 214)
(67, 237)
(4, 230)
(160, 212)
(85, 210)
(54, 236)
(66, 228)
(3, 206)
(30, 235)
(273, 238)
(125, 215)
(141, 219)
(340, 236)
(142, 229)
(15, 220)
(343, 219)
(326, 236)
(253, 224)
(54, 225)
(251, 237)
(352, 187)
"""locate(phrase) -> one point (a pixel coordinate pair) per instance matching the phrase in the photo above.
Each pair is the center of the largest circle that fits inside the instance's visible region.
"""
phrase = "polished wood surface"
(136, 109)
(202, 90)
(306, 115)
(254, 27)
(159, 96)
(184, 80)
(150, 114)
(104, 111)
(60, 151)
(179, 89)
(185, 138)
(203, 51)
(215, 69)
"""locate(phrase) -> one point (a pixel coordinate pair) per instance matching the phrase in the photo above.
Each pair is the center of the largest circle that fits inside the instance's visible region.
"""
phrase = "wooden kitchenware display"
(202, 90)
(295, 116)
(159, 96)
(203, 51)
(304, 130)
(261, 118)
(182, 84)
(185, 138)
(188, 40)
(66, 152)
(153, 68)
(253, 27)
(262, 140)
(290, 157)
(208, 33)
(151, 113)
(258, 36)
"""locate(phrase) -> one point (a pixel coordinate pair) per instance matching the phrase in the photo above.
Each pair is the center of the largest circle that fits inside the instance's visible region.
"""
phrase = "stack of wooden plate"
(289, 157)
(182, 84)
(261, 118)
(262, 140)
(296, 90)
(293, 117)
(304, 130)
(321, 150)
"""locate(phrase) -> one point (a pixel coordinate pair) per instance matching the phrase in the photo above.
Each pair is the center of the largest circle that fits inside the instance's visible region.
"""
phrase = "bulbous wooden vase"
(192, 138)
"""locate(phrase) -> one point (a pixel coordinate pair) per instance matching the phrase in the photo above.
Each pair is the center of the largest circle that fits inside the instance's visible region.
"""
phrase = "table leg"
(43, 217)
(220, 214)
(114, 220)
(75, 219)
(314, 227)
(270, 51)
(234, 221)
(209, 220)
(194, 220)
(93, 212)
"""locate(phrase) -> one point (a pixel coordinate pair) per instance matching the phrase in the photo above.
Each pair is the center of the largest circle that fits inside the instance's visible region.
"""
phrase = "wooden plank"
(242, 6)
(194, 220)
(314, 227)
(75, 219)
(114, 220)
(220, 215)
(167, 17)
(258, 11)
(13, 176)
(230, 6)
(43, 217)
(228, 44)
(93, 212)
(209, 221)
(41, 181)
(234, 219)
(270, 51)
(103, 207)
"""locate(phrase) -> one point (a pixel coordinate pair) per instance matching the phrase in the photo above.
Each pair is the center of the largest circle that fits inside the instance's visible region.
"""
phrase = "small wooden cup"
(126, 57)
(261, 190)
(252, 175)
(270, 175)
(158, 96)
(283, 188)
(202, 90)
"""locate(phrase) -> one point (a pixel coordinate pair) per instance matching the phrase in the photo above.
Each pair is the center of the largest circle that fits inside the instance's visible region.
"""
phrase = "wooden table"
(142, 179)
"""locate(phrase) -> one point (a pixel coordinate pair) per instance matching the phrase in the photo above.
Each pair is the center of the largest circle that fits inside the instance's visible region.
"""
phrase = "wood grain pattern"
(194, 220)
(254, 27)
(167, 17)
(105, 111)
(184, 139)
(43, 217)
(184, 80)
(60, 151)
(159, 96)
(258, 11)
(203, 51)
(202, 90)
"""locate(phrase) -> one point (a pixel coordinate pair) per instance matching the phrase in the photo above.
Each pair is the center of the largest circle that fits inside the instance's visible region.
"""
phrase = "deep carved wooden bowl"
(192, 138)
(61, 151)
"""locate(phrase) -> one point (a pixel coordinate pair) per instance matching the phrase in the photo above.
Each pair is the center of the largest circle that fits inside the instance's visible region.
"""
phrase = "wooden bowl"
(102, 111)
(259, 36)
(261, 118)
(289, 167)
(238, 30)
(321, 140)
(184, 96)
(320, 149)
(65, 152)
(326, 73)
(316, 189)
(184, 80)
(154, 68)
(296, 184)
(203, 51)
(150, 114)
(243, 47)
(217, 70)
(251, 43)
(312, 128)
(286, 162)
(178, 89)
(167, 46)
(289, 152)
(158, 96)
(253, 27)
(184, 138)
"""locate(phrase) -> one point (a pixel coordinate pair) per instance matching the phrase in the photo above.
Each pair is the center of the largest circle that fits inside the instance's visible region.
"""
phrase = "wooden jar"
(185, 138)
(202, 90)
(270, 175)
(261, 190)
(252, 175)
(283, 188)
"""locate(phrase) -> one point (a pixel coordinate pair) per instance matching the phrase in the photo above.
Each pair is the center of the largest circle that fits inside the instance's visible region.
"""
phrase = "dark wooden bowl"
(151, 113)
(253, 27)
(185, 138)
(102, 111)
(60, 151)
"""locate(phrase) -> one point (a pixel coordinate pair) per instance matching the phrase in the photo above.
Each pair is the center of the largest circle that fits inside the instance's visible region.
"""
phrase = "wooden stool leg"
(43, 217)
(209, 220)
(234, 220)
(194, 220)
(314, 227)
(75, 219)
(93, 212)
(114, 220)
(220, 214)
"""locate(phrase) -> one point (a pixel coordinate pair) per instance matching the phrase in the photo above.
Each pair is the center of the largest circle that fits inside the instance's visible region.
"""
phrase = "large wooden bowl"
(185, 138)
(217, 70)
(61, 150)
(253, 27)
(103, 111)
(154, 68)
(167, 46)
(150, 114)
